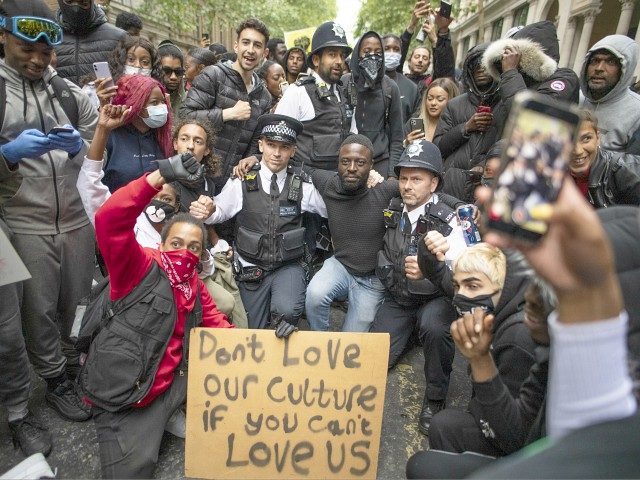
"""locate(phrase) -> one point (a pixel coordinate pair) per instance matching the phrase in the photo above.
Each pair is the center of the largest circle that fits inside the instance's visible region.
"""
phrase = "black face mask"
(76, 16)
(370, 66)
(158, 212)
(465, 304)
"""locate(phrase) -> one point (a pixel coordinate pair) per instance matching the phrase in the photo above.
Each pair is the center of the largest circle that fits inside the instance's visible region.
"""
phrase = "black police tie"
(274, 191)
(405, 224)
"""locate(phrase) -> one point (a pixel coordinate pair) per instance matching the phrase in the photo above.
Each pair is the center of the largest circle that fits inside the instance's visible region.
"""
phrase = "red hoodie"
(128, 263)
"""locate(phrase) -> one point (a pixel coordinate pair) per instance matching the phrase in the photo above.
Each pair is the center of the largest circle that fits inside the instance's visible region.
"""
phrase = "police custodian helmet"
(422, 154)
(329, 34)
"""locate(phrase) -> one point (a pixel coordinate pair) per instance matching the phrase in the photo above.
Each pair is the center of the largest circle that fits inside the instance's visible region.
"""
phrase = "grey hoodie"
(40, 197)
(618, 111)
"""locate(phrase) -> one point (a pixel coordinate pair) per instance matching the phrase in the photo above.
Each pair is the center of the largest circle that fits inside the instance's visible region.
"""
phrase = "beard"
(353, 186)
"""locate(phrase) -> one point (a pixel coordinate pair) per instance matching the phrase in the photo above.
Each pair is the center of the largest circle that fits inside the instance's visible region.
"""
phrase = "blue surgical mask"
(157, 116)
(129, 70)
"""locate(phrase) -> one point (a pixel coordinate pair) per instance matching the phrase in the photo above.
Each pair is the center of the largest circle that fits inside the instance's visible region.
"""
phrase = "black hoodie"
(460, 150)
(82, 45)
(512, 345)
(382, 125)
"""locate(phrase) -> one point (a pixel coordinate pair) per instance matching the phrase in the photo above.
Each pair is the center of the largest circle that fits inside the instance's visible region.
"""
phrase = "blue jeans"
(333, 281)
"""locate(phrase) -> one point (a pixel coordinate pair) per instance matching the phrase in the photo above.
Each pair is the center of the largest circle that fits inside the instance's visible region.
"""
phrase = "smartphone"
(445, 10)
(483, 109)
(416, 124)
(55, 130)
(205, 36)
(540, 137)
(101, 69)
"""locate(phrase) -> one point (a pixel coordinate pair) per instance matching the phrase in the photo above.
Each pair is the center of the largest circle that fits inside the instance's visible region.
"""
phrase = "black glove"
(181, 167)
(283, 328)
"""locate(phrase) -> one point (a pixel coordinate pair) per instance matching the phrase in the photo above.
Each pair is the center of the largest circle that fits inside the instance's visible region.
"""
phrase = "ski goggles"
(31, 29)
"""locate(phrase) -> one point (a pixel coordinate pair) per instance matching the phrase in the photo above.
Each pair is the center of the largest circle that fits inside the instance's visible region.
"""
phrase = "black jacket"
(81, 47)
(612, 182)
(444, 62)
(538, 68)
(378, 110)
(460, 150)
(512, 346)
(219, 87)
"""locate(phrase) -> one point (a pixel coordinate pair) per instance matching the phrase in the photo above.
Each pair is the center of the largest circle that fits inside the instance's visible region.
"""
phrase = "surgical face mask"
(370, 66)
(158, 211)
(130, 70)
(466, 304)
(391, 60)
(157, 116)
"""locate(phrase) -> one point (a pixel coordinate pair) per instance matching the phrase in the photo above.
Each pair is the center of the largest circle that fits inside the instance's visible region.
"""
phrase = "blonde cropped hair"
(483, 258)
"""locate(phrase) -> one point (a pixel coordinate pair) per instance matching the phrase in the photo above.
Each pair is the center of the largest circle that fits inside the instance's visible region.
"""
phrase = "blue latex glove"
(29, 144)
(71, 143)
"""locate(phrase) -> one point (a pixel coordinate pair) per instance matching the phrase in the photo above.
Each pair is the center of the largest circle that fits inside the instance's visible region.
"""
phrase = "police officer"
(270, 238)
(412, 300)
(320, 103)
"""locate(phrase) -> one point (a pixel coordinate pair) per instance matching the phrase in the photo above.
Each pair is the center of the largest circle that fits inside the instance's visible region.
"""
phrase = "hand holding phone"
(540, 138)
(416, 123)
(56, 130)
(101, 70)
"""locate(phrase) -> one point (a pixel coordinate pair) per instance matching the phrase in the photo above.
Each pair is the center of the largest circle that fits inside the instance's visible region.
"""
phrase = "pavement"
(75, 452)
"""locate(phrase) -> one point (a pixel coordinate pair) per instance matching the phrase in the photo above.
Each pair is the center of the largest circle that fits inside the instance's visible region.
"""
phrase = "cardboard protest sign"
(306, 407)
(300, 38)
(11, 267)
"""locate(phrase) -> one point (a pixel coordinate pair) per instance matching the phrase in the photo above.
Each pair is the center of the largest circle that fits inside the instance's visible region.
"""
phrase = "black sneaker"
(31, 436)
(429, 409)
(65, 400)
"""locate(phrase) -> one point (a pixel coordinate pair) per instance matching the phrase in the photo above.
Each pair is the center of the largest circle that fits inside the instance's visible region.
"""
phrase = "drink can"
(469, 228)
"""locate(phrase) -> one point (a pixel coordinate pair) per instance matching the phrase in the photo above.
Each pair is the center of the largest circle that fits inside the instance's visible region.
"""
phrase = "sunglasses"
(168, 71)
(31, 29)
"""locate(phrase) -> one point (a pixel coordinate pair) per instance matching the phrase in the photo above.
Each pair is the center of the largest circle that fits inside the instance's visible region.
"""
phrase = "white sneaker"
(177, 424)
(31, 468)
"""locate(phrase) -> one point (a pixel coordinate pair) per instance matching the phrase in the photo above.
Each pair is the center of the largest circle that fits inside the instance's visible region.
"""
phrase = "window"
(496, 29)
(520, 15)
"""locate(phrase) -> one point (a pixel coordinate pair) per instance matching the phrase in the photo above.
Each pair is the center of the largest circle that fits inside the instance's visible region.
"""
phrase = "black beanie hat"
(34, 8)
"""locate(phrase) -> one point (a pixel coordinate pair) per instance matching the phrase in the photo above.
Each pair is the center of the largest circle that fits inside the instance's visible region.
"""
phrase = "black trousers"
(433, 322)
(456, 431)
(130, 440)
(433, 464)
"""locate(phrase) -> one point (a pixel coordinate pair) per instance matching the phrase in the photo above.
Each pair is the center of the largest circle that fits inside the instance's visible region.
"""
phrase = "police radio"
(295, 187)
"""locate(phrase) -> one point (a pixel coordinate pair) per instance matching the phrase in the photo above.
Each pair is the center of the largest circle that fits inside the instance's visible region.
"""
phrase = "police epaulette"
(442, 212)
(305, 80)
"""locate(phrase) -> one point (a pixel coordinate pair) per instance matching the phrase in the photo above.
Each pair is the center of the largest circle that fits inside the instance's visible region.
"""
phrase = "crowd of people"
(256, 187)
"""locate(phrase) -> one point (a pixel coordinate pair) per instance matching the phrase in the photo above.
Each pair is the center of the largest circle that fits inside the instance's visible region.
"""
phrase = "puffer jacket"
(40, 197)
(219, 87)
(538, 68)
(84, 44)
(460, 150)
(612, 182)
(617, 130)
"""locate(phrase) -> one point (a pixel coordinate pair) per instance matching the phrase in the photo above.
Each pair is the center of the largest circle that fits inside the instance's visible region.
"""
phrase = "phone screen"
(533, 167)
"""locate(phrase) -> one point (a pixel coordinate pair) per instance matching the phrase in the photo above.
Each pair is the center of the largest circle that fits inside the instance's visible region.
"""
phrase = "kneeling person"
(133, 398)
(410, 297)
(269, 202)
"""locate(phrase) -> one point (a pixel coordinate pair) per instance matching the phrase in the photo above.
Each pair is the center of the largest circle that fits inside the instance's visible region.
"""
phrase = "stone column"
(531, 13)
(625, 16)
(585, 37)
(567, 43)
(460, 54)
(638, 41)
(487, 33)
(507, 23)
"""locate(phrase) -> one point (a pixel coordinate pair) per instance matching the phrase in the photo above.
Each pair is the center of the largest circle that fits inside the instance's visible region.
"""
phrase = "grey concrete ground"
(75, 452)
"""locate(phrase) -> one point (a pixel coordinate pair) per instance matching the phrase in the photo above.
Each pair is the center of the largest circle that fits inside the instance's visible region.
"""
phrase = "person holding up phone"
(434, 100)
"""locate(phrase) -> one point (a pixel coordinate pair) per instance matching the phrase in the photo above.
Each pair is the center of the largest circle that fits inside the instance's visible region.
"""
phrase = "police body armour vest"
(319, 142)
(269, 232)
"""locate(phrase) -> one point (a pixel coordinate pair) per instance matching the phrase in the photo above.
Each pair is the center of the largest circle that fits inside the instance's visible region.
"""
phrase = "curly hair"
(254, 24)
(118, 57)
(133, 91)
(211, 161)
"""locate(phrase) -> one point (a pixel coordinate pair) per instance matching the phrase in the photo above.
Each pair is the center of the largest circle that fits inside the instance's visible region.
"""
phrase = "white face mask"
(129, 70)
(157, 116)
(391, 60)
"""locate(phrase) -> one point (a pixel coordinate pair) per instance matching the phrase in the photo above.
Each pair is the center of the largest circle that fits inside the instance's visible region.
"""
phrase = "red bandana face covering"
(180, 266)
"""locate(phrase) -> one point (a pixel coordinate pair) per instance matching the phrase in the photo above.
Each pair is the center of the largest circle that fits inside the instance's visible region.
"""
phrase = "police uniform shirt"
(229, 201)
(455, 238)
(295, 102)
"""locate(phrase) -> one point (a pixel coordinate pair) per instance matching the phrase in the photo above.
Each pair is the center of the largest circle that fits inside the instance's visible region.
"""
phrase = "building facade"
(580, 23)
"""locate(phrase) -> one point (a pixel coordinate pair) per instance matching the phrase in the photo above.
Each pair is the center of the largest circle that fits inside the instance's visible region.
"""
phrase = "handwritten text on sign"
(262, 407)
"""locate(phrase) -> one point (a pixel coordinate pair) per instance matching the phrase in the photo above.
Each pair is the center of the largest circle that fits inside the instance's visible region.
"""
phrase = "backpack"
(62, 92)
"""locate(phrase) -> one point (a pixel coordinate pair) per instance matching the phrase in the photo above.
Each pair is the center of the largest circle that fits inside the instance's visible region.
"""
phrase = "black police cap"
(280, 128)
